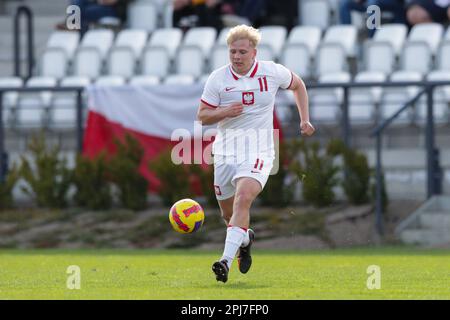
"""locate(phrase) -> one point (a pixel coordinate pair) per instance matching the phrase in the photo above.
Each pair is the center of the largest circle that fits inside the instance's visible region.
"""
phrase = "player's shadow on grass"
(235, 285)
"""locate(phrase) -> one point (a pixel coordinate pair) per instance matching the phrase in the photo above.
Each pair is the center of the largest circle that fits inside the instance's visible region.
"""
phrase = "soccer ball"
(186, 216)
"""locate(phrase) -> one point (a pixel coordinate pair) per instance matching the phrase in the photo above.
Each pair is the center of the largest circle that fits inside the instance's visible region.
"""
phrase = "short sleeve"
(284, 76)
(210, 94)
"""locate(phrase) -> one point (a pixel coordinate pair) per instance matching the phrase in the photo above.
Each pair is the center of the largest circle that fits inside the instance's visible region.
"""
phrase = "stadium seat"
(190, 60)
(314, 13)
(110, 81)
(394, 98)
(430, 33)
(144, 80)
(64, 40)
(383, 50)
(358, 20)
(32, 108)
(92, 52)
(219, 57)
(88, 63)
(63, 112)
(155, 62)
(344, 35)
(13, 82)
(296, 57)
(265, 53)
(166, 13)
(100, 39)
(338, 77)
(417, 57)
(135, 40)
(222, 38)
(441, 101)
(393, 34)
(203, 37)
(164, 9)
(274, 37)
(334, 7)
(420, 47)
(179, 79)
(54, 63)
(142, 15)
(127, 50)
(75, 82)
(363, 102)
(308, 36)
(326, 102)
(10, 98)
(331, 59)
(379, 57)
(109, 22)
(121, 62)
(443, 56)
(169, 38)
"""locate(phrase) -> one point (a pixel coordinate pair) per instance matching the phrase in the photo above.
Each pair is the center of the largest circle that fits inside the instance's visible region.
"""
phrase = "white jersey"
(256, 91)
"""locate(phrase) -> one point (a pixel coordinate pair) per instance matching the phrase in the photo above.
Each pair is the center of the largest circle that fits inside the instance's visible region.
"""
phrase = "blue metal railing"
(433, 178)
(79, 119)
(28, 14)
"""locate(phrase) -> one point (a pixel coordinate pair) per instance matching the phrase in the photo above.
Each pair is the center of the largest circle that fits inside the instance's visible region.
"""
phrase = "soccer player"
(240, 97)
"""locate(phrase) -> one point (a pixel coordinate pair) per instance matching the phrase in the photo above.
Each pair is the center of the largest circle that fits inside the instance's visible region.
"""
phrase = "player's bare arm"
(208, 115)
(301, 99)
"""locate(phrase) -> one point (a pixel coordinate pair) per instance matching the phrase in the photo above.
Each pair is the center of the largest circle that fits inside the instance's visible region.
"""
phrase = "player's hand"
(306, 128)
(234, 110)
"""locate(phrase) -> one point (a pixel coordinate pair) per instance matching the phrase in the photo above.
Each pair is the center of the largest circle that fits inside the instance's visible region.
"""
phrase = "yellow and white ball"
(186, 216)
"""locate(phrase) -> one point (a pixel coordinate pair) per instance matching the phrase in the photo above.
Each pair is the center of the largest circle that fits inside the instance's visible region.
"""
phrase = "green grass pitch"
(186, 274)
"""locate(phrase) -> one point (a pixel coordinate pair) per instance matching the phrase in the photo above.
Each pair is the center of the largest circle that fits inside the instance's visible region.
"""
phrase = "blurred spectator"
(216, 13)
(394, 6)
(282, 13)
(237, 12)
(197, 13)
(94, 10)
(421, 11)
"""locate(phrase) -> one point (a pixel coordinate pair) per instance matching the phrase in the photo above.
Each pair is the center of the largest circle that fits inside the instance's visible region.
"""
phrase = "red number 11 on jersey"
(263, 84)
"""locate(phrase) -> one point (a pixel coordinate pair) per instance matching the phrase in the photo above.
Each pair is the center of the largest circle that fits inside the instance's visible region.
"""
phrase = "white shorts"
(227, 170)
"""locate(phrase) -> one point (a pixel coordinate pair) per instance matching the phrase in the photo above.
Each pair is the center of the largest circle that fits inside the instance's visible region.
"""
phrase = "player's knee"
(243, 199)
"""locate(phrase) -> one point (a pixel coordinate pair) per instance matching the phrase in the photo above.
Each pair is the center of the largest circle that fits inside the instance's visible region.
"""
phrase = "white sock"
(246, 240)
(233, 241)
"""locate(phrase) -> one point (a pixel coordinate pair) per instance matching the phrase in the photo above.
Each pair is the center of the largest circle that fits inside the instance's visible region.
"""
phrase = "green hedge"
(48, 178)
(280, 189)
(6, 188)
(46, 174)
(124, 169)
(317, 173)
(93, 187)
(356, 181)
(175, 179)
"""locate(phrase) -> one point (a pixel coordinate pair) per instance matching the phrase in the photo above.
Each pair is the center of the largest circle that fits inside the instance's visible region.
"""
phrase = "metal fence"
(434, 178)
(434, 174)
(78, 124)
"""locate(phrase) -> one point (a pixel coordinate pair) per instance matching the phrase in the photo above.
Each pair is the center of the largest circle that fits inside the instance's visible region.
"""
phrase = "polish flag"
(157, 116)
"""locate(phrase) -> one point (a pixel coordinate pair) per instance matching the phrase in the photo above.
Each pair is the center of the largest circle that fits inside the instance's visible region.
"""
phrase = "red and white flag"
(150, 114)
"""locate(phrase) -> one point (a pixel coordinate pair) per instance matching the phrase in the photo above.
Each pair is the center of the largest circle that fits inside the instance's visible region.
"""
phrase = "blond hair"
(244, 32)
